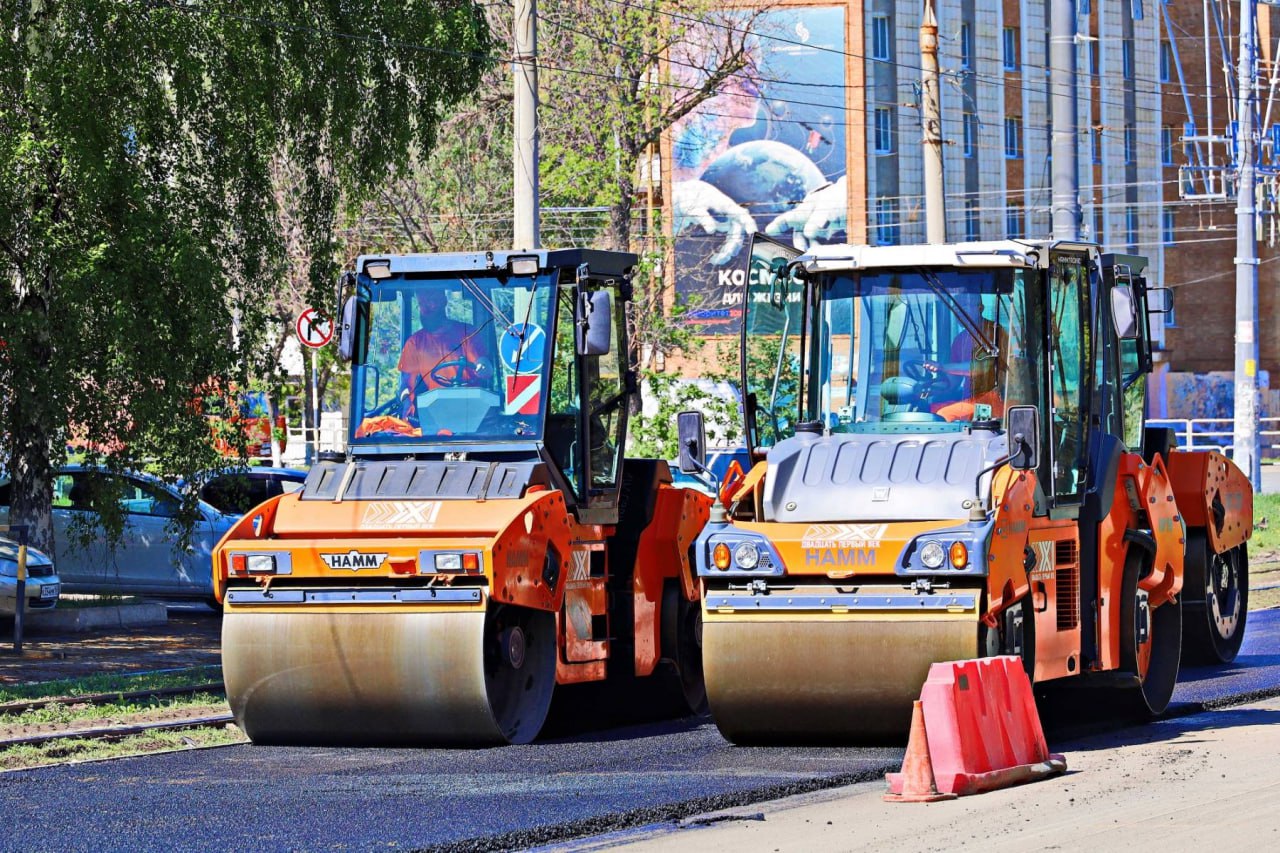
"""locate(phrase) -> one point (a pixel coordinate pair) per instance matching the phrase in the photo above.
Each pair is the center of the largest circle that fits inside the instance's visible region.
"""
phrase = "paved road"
(251, 798)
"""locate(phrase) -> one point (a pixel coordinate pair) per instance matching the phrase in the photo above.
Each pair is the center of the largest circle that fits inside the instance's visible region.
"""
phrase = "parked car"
(43, 586)
(147, 560)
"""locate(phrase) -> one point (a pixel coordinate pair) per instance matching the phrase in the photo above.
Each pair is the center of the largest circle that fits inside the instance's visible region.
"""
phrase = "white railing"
(332, 435)
(1217, 433)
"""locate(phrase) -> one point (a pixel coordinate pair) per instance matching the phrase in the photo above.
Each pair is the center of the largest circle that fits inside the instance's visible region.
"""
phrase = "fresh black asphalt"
(304, 798)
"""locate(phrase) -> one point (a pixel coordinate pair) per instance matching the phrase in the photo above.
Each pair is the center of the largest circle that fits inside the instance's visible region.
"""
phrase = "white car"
(43, 587)
(148, 561)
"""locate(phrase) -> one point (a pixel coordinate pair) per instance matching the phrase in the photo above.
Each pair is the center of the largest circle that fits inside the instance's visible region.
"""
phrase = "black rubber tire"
(1016, 635)
(1151, 696)
(1215, 593)
(520, 692)
(682, 648)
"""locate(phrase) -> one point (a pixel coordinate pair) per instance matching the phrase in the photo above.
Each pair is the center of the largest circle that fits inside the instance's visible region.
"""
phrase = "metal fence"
(1217, 434)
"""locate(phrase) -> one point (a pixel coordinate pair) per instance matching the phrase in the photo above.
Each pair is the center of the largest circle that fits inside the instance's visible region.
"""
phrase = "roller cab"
(485, 540)
(950, 462)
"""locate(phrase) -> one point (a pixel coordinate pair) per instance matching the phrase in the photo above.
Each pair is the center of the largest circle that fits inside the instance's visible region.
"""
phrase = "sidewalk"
(1204, 782)
(187, 639)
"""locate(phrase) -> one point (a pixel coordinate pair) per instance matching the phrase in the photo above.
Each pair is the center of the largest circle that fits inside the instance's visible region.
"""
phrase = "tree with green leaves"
(139, 236)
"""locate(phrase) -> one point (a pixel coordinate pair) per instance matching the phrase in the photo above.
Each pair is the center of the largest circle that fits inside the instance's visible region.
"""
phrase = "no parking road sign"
(314, 329)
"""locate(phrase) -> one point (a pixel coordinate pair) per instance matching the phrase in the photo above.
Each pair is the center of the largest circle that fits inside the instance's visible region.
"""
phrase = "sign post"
(315, 330)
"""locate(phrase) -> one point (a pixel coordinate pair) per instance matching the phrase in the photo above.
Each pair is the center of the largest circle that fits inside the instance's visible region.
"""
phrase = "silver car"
(148, 559)
(43, 587)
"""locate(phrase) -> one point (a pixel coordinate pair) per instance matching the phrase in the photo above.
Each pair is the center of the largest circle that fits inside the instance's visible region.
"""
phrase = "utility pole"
(525, 71)
(931, 119)
(1065, 144)
(1245, 439)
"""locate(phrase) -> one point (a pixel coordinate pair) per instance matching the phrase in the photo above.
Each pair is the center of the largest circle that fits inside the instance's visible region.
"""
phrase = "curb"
(79, 620)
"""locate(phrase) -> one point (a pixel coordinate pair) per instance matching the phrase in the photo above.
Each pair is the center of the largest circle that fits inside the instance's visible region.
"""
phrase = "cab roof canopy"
(992, 253)
(599, 262)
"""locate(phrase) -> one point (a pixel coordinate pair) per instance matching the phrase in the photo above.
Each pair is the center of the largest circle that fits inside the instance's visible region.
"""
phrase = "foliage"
(111, 683)
(139, 236)
(653, 435)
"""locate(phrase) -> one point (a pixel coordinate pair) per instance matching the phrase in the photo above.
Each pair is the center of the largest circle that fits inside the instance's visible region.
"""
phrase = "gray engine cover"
(863, 477)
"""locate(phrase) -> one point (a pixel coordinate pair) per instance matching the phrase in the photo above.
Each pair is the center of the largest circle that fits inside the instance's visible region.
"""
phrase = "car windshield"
(448, 360)
(941, 347)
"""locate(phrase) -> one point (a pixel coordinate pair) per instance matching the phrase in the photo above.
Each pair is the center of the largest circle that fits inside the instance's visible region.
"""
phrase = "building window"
(1131, 226)
(972, 220)
(1130, 144)
(1095, 144)
(1166, 62)
(1093, 58)
(881, 44)
(1099, 226)
(884, 131)
(1167, 226)
(966, 46)
(1166, 146)
(1126, 58)
(1012, 50)
(970, 134)
(888, 232)
(1015, 223)
(1013, 137)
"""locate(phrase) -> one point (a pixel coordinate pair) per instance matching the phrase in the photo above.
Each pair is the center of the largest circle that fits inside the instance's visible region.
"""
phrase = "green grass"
(122, 683)
(69, 715)
(1265, 538)
(78, 749)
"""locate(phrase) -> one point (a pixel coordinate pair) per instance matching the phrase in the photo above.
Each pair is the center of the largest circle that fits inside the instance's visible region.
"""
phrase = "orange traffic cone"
(915, 784)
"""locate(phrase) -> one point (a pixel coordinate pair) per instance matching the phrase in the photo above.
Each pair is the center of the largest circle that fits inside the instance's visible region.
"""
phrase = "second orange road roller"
(951, 463)
(484, 540)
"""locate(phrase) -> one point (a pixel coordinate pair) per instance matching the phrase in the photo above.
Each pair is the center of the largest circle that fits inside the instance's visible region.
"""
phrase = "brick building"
(1142, 85)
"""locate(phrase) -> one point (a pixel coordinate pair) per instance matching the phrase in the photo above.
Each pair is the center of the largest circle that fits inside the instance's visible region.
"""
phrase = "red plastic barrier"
(982, 726)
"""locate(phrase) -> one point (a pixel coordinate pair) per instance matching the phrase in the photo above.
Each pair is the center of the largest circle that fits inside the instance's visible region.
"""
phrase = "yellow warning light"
(959, 555)
(720, 556)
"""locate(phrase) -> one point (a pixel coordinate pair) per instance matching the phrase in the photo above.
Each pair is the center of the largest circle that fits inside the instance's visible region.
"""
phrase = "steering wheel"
(930, 375)
(458, 365)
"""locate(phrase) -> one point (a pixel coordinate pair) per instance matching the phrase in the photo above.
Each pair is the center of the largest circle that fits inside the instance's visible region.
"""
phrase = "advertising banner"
(765, 154)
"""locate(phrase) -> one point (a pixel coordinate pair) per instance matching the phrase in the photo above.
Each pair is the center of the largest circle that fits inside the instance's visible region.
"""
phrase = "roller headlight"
(932, 555)
(746, 555)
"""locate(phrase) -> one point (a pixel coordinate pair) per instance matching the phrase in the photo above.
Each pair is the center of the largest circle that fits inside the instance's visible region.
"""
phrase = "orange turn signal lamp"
(720, 556)
(959, 555)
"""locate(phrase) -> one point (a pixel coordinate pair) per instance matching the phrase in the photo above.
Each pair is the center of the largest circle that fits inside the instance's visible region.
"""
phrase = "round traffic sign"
(314, 329)
(523, 345)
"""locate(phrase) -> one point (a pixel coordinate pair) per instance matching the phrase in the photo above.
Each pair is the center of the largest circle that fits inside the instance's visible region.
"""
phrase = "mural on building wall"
(766, 154)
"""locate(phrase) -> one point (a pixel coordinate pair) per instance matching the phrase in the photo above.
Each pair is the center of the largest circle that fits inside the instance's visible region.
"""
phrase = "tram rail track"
(108, 733)
(124, 714)
(19, 707)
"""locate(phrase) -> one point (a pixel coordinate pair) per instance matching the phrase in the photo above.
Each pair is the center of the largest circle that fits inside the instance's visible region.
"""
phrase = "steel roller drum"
(404, 677)
(824, 678)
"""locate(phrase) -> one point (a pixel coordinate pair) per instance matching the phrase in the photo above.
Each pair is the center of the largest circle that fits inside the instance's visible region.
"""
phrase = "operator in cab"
(444, 353)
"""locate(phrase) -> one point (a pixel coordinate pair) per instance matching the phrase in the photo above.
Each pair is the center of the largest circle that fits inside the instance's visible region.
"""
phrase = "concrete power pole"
(931, 119)
(525, 71)
(1245, 439)
(1065, 145)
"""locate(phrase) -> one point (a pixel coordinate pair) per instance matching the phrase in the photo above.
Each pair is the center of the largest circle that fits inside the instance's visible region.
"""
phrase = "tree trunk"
(31, 492)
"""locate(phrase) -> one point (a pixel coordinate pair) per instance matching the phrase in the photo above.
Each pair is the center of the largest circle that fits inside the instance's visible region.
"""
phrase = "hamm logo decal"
(353, 560)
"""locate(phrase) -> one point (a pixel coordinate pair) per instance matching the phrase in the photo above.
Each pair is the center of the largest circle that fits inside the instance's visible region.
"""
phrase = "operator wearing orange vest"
(443, 353)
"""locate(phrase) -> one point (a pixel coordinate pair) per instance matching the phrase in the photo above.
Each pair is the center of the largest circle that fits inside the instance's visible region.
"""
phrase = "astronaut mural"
(767, 153)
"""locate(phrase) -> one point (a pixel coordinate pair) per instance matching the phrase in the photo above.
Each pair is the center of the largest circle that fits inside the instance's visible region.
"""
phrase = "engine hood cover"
(869, 477)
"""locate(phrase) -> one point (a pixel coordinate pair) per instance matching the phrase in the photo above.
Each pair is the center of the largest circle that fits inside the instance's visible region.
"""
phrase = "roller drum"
(449, 678)
(806, 678)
